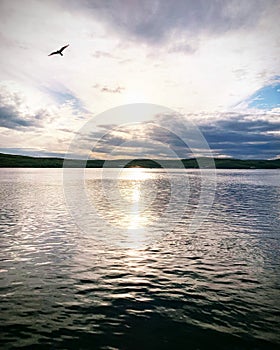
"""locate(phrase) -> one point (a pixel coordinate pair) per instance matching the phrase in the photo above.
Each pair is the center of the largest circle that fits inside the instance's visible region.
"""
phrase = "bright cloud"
(215, 62)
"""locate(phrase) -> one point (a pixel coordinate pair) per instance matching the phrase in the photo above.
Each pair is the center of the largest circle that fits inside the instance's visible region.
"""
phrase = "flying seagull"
(58, 52)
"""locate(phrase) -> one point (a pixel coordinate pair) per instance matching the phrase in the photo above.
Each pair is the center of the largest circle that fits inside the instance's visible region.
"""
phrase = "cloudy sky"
(215, 63)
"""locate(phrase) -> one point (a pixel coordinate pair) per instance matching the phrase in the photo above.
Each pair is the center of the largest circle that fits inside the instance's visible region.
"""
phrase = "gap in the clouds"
(265, 98)
(63, 96)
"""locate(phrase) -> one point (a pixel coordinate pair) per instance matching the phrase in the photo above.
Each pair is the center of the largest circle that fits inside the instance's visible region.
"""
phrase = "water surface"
(132, 279)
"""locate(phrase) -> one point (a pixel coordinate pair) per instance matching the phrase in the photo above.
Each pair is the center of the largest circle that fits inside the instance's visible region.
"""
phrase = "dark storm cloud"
(240, 128)
(235, 135)
(134, 140)
(154, 20)
(241, 137)
(232, 135)
(12, 118)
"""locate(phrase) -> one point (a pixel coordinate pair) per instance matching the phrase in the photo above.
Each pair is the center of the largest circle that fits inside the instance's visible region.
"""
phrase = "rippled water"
(125, 277)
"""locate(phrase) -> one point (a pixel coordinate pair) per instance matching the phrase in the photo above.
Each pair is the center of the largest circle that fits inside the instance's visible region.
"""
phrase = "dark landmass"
(16, 161)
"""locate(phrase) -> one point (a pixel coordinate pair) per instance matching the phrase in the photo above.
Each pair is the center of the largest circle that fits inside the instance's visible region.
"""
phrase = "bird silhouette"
(58, 52)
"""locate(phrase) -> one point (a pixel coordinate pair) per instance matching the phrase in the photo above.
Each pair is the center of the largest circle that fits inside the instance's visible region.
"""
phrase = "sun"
(134, 174)
(134, 96)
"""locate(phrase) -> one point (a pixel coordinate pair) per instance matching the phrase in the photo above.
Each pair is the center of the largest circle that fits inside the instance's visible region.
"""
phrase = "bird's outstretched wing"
(63, 48)
(58, 52)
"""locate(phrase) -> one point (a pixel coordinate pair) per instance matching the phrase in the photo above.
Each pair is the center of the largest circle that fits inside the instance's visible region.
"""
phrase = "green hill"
(16, 161)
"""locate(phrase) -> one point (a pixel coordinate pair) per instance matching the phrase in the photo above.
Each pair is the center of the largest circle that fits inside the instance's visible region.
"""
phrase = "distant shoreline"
(17, 161)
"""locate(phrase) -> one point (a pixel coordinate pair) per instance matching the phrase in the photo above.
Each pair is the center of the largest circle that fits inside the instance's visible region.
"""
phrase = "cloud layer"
(154, 21)
(15, 115)
(214, 62)
(168, 136)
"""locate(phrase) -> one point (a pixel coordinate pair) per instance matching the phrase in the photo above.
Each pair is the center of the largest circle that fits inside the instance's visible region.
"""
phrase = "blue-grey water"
(128, 281)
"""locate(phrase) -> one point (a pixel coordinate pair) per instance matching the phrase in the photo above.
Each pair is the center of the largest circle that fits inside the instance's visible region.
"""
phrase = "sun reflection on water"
(132, 193)
(126, 202)
(135, 174)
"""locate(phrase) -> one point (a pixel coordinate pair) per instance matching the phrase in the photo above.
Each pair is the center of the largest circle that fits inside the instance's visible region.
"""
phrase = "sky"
(213, 63)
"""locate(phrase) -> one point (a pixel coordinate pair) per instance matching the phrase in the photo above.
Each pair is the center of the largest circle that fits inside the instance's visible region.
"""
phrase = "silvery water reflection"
(128, 200)
(63, 288)
(137, 203)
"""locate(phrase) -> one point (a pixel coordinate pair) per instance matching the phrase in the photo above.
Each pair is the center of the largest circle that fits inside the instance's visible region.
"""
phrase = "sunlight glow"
(134, 174)
(134, 96)
(131, 193)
